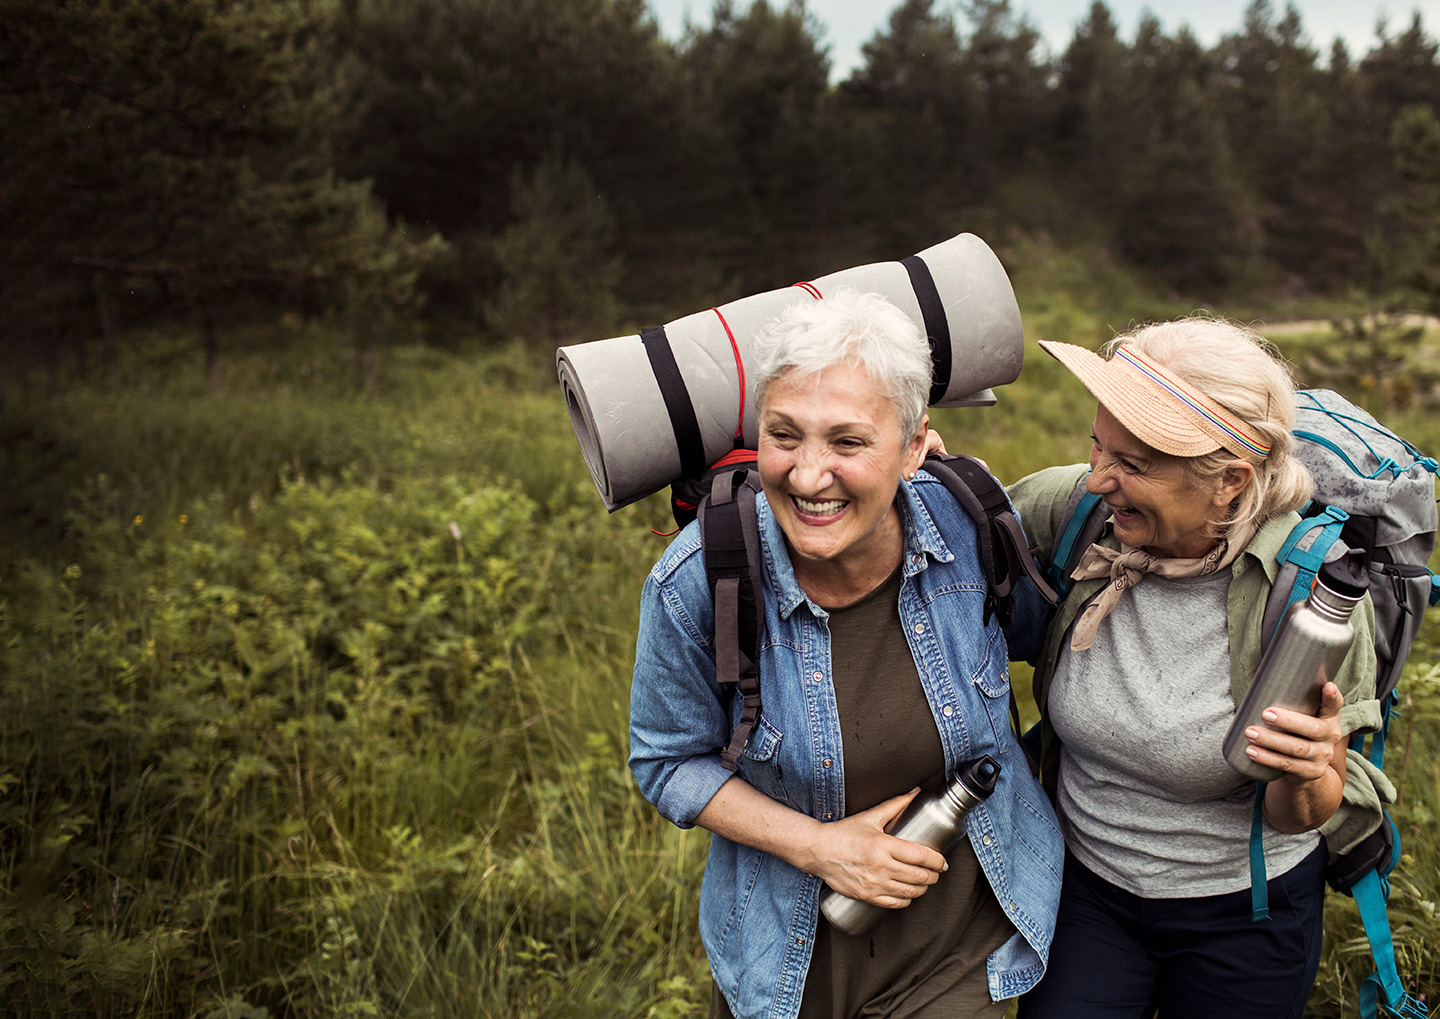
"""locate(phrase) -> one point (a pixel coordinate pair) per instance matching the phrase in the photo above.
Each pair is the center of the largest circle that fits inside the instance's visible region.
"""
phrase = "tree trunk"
(109, 355)
(82, 363)
(211, 329)
(52, 362)
(367, 353)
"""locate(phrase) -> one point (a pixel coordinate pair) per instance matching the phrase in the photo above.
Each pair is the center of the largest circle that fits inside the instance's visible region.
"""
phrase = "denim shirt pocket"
(760, 761)
(992, 681)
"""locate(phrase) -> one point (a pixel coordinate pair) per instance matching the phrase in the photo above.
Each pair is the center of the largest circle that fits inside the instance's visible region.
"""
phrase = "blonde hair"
(1241, 371)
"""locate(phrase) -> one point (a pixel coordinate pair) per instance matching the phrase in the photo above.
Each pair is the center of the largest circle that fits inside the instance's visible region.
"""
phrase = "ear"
(915, 448)
(1239, 476)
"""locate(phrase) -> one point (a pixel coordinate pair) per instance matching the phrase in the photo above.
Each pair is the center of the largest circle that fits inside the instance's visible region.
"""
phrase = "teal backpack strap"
(1305, 563)
(1383, 989)
(1085, 518)
(1259, 889)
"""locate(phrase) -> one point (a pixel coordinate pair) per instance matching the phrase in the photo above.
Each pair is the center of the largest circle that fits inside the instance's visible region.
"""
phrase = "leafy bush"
(316, 703)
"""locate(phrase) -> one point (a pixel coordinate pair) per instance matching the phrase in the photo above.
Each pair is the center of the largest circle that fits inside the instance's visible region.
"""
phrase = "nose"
(1100, 479)
(811, 471)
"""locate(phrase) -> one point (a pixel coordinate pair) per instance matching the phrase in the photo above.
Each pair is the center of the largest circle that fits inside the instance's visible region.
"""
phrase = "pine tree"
(176, 154)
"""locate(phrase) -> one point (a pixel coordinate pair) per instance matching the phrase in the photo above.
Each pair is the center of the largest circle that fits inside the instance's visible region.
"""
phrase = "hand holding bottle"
(1300, 746)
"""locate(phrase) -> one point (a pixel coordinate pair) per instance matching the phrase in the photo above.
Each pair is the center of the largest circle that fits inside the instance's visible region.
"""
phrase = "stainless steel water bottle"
(1309, 645)
(936, 820)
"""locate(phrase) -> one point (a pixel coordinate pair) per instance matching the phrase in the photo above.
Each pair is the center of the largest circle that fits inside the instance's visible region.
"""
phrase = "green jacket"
(1041, 500)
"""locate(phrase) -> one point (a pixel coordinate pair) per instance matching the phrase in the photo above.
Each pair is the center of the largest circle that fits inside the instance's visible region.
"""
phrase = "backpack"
(1373, 491)
(730, 542)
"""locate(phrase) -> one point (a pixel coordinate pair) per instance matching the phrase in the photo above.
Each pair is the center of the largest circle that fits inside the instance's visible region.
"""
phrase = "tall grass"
(315, 703)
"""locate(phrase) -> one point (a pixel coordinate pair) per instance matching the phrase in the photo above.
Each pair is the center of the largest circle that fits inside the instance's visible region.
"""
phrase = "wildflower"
(139, 519)
(454, 530)
(184, 519)
(72, 572)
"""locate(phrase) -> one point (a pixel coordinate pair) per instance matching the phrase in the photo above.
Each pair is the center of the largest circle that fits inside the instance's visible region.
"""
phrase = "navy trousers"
(1118, 955)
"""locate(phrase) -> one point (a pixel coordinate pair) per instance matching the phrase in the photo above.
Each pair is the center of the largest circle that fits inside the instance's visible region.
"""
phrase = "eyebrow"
(770, 417)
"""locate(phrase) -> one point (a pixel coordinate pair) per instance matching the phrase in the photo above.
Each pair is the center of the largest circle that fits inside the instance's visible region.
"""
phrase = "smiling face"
(1155, 503)
(831, 458)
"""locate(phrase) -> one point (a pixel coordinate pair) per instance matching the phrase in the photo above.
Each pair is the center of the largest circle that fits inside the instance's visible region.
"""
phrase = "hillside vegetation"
(316, 702)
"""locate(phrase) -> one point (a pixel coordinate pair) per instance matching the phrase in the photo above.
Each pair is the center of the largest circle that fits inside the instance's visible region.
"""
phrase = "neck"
(845, 579)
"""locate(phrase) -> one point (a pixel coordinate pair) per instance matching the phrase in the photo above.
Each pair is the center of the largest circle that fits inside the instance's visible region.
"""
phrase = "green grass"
(316, 702)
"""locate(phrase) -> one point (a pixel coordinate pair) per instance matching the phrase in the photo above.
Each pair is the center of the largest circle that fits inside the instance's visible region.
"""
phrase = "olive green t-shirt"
(928, 958)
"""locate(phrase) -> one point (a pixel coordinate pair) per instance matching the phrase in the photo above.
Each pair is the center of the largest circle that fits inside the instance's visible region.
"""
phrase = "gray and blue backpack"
(1373, 491)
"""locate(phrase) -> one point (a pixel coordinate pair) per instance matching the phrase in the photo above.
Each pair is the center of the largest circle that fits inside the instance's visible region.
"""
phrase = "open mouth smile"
(818, 508)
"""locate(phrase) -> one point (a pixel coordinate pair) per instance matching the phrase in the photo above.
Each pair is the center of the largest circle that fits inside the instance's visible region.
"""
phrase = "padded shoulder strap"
(1300, 559)
(1084, 519)
(730, 539)
(1004, 553)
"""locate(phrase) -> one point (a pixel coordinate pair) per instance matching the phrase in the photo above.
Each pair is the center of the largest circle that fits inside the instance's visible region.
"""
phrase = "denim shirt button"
(917, 558)
(818, 676)
(827, 762)
(799, 941)
(919, 627)
(948, 711)
(828, 815)
(985, 841)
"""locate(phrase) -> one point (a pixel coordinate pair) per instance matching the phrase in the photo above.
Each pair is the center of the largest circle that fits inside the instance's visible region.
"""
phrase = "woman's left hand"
(1302, 746)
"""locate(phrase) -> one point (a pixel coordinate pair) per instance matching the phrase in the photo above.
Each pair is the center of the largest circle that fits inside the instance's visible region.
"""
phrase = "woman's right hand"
(855, 857)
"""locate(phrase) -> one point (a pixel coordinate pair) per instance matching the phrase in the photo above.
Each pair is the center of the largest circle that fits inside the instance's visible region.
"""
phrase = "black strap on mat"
(677, 400)
(937, 327)
(730, 538)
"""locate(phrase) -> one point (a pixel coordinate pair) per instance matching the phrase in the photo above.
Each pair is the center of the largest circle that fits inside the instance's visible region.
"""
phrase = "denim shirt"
(757, 912)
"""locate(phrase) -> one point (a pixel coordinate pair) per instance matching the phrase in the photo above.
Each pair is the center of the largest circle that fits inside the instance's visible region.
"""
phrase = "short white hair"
(851, 327)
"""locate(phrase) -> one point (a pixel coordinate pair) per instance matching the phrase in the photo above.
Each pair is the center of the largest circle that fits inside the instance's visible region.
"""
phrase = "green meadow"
(315, 700)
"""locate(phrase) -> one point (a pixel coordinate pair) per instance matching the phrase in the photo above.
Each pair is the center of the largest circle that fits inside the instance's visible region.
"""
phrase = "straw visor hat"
(1155, 406)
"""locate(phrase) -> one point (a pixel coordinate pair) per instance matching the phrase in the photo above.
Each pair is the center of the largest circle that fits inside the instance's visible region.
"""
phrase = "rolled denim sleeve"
(678, 723)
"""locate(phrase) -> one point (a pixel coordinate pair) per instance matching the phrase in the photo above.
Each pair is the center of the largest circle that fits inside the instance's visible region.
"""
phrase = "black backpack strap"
(730, 538)
(1004, 552)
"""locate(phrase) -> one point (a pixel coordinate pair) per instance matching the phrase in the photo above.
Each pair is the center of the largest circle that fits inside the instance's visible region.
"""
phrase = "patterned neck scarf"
(1128, 567)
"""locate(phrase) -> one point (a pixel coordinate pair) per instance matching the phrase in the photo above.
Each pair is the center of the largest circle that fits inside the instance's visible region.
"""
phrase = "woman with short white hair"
(881, 671)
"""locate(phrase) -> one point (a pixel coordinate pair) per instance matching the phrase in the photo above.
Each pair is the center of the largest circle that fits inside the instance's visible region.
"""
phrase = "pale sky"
(848, 24)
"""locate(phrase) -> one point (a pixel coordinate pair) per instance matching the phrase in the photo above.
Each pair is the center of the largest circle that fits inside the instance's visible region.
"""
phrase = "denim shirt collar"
(922, 542)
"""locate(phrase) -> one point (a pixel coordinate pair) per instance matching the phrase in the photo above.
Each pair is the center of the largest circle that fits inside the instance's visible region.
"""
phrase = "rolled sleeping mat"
(651, 408)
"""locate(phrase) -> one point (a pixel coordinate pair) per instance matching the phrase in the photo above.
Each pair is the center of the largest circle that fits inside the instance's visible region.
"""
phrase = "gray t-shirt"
(1146, 799)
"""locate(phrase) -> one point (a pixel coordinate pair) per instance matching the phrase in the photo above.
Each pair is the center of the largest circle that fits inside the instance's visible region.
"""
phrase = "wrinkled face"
(831, 459)
(1156, 506)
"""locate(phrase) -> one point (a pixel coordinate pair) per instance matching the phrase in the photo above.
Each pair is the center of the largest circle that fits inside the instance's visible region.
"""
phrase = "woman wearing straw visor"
(880, 669)
(1139, 678)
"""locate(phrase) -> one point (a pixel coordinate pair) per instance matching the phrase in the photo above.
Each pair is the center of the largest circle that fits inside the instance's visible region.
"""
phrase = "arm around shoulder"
(1040, 500)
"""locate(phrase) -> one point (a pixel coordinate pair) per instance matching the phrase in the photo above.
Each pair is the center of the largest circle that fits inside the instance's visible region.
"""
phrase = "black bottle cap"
(979, 776)
(1346, 576)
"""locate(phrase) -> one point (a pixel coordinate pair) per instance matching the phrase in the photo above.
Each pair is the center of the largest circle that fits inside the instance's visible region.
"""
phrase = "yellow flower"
(139, 519)
(72, 572)
(184, 519)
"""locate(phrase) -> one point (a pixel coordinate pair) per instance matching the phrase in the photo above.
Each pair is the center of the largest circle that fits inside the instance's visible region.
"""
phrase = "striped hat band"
(1157, 408)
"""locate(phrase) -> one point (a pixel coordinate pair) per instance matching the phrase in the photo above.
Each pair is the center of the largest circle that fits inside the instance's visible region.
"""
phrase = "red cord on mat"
(812, 290)
(739, 370)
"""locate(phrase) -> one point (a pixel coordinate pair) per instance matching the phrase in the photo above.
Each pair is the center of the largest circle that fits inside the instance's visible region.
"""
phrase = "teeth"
(819, 509)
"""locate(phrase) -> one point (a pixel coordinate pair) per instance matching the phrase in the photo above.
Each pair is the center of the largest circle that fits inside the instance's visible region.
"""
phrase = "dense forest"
(555, 169)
